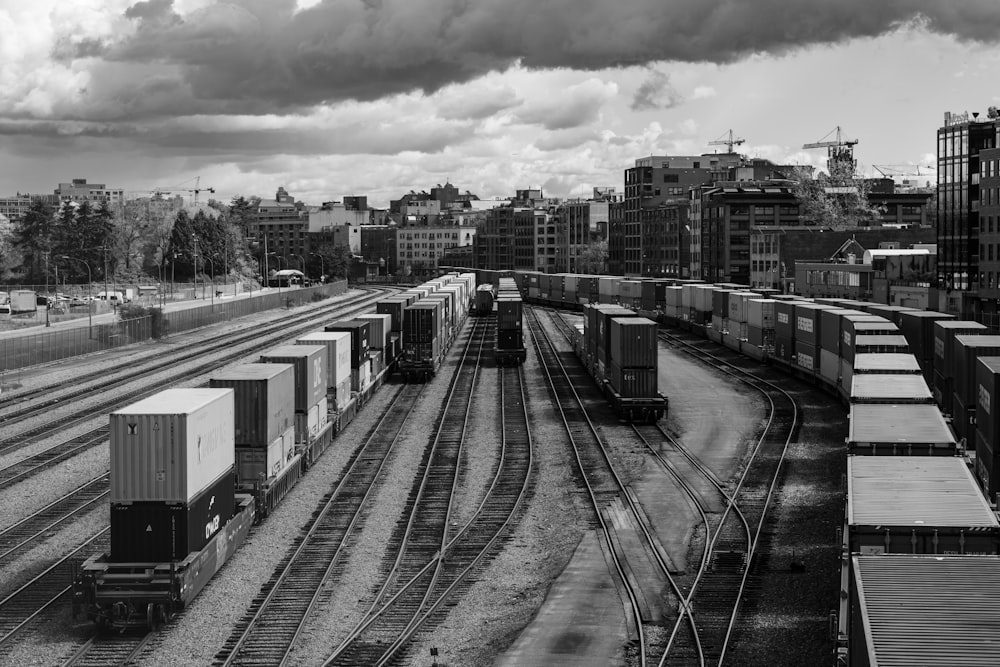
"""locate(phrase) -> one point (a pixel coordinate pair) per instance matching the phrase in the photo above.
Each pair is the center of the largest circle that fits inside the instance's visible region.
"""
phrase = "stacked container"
(899, 430)
(633, 358)
(422, 324)
(760, 322)
(653, 295)
(966, 349)
(988, 424)
(944, 361)
(265, 418)
(673, 298)
(510, 332)
(310, 386)
(360, 331)
(172, 474)
(808, 334)
(918, 327)
(631, 294)
(885, 364)
(784, 330)
(608, 289)
(338, 364)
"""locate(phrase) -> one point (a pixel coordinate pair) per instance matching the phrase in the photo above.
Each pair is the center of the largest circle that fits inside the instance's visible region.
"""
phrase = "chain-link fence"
(39, 348)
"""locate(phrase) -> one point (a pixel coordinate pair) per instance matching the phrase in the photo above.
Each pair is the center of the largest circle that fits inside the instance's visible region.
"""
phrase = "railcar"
(118, 591)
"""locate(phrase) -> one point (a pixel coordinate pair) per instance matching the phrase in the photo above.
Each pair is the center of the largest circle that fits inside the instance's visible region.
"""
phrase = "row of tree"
(146, 240)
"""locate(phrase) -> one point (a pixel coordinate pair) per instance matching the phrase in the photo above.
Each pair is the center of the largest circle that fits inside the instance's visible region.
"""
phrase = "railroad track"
(110, 650)
(410, 581)
(269, 630)
(47, 588)
(739, 543)
(55, 454)
(575, 394)
(479, 539)
(51, 395)
(31, 529)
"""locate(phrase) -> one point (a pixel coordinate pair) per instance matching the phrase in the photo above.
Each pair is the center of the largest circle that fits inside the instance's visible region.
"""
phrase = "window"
(671, 178)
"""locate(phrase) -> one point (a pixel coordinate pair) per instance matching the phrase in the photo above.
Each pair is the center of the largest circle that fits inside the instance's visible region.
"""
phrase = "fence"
(39, 348)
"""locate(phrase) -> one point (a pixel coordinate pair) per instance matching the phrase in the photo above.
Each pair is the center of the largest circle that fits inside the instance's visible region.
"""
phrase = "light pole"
(195, 275)
(212, 288)
(90, 293)
(322, 265)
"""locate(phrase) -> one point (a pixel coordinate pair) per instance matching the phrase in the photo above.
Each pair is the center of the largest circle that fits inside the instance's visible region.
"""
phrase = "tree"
(838, 200)
(181, 246)
(33, 237)
(593, 259)
(336, 258)
(10, 256)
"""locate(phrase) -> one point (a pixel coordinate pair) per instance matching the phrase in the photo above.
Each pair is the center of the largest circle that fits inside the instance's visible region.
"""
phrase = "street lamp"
(212, 288)
(322, 265)
(277, 277)
(90, 294)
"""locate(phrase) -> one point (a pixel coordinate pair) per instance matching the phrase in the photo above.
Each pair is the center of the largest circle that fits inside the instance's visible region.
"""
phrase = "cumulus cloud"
(281, 54)
(702, 92)
(656, 92)
(575, 106)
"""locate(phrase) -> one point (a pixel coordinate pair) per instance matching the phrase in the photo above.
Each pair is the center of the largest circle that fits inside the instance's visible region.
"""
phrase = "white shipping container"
(171, 446)
(760, 313)
(343, 394)
(338, 353)
(673, 295)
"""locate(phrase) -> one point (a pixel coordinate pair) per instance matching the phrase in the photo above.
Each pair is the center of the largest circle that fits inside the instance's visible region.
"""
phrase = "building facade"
(80, 190)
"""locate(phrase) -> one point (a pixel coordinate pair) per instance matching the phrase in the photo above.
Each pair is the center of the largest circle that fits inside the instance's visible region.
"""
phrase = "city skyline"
(338, 97)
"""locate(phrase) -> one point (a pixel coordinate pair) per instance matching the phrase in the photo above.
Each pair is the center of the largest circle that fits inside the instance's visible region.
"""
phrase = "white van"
(116, 298)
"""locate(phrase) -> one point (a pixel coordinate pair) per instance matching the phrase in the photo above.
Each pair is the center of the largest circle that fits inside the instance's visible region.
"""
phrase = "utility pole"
(196, 268)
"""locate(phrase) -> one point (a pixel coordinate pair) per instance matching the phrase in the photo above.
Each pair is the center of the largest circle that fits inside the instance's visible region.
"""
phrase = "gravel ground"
(506, 596)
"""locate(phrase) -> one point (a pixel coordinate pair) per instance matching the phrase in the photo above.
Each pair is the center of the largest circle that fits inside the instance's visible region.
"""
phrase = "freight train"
(921, 390)
(431, 315)
(193, 469)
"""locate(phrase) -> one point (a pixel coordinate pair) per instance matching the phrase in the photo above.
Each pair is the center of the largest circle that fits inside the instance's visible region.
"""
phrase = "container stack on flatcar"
(267, 462)
(432, 322)
(193, 469)
(175, 517)
(509, 350)
(485, 294)
(312, 425)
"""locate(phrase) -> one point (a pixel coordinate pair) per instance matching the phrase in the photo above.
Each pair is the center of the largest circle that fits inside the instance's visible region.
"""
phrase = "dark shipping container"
(360, 338)
(633, 382)
(151, 532)
(264, 400)
(310, 371)
(633, 342)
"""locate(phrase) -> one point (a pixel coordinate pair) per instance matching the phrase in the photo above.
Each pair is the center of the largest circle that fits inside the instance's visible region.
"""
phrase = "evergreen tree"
(33, 237)
(180, 250)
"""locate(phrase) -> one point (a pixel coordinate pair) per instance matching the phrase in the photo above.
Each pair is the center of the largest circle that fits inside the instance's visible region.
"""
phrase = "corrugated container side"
(394, 309)
(944, 332)
(149, 532)
(806, 356)
(360, 338)
(988, 397)
(760, 313)
(784, 320)
(967, 348)
(918, 327)
(381, 327)
(633, 382)
(987, 465)
(171, 446)
(829, 366)
(422, 322)
(263, 396)
(509, 314)
(633, 342)
(338, 353)
(310, 371)
(510, 339)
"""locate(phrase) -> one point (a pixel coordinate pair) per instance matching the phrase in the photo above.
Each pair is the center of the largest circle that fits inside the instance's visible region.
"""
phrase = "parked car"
(116, 298)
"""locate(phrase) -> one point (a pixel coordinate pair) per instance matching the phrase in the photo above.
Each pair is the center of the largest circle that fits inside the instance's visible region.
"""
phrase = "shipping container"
(338, 353)
(807, 322)
(988, 398)
(510, 311)
(987, 466)
(944, 332)
(829, 366)
(393, 307)
(633, 382)
(361, 376)
(853, 326)
(171, 446)
(783, 347)
(256, 464)
(422, 322)
(917, 504)
(653, 295)
(889, 388)
(891, 313)
(633, 342)
(784, 320)
(264, 400)
(831, 327)
(806, 356)
(360, 338)
(901, 430)
(158, 532)
(310, 422)
(310, 371)
(918, 327)
(720, 302)
(967, 348)
(380, 328)
(923, 610)
(760, 313)
(739, 306)
(891, 363)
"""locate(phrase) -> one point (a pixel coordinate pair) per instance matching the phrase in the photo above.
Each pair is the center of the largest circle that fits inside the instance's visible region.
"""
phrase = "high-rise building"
(959, 215)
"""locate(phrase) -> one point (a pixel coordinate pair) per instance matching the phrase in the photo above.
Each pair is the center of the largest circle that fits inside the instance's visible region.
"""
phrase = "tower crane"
(890, 170)
(192, 191)
(728, 143)
(840, 153)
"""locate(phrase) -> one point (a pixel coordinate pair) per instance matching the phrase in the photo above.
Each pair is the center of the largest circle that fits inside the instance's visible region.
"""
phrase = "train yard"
(439, 517)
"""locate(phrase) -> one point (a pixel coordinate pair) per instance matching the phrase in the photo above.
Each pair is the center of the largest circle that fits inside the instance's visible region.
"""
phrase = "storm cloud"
(266, 56)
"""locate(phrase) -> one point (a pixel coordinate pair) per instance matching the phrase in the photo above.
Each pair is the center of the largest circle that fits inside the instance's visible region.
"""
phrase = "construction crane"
(890, 170)
(728, 143)
(840, 153)
(180, 188)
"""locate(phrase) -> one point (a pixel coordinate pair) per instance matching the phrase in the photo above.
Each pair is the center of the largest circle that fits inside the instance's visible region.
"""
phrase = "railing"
(18, 352)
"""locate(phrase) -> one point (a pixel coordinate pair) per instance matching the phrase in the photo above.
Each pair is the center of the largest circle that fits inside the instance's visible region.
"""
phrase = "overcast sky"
(377, 97)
